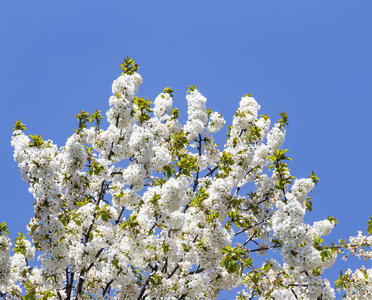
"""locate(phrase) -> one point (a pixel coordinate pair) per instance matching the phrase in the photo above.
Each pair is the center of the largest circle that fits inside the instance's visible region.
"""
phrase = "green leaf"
(96, 117)
(317, 271)
(266, 267)
(332, 220)
(227, 249)
(169, 91)
(314, 177)
(191, 89)
(326, 253)
(284, 119)
(144, 107)
(309, 205)
(37, 141)
(3, 228)
(129, 66)
(279, 155)
(370, 225)
(18, 125)
(255, 278)
(175, 113)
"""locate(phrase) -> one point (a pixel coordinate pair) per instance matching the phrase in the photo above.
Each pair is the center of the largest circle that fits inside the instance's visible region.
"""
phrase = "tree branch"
(146, 284)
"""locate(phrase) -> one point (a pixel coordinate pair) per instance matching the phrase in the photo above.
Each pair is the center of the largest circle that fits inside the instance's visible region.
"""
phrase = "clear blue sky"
(312, 59)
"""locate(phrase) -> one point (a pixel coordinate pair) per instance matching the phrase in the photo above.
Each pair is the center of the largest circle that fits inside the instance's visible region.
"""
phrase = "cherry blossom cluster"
(359, 246)
(150, 208)
(357, 285)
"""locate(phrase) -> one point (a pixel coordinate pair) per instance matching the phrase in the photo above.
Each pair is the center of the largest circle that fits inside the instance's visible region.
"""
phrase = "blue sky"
(311, 59)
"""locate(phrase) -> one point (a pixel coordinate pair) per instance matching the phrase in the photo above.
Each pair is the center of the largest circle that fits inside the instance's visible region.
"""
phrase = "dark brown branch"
(264, 249)
(120, 215)
(212, 171)
(293, 292)
(83, 272)
(165, 267)
(175, 269)
(153, 226)
(117, 173)
(100, 197)
(249, 227)
(145, 285)
(106, 289)
(197, 271)
(69, 280)
(59, 295)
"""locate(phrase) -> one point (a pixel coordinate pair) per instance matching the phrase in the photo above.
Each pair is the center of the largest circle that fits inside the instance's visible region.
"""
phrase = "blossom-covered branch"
(152, 209)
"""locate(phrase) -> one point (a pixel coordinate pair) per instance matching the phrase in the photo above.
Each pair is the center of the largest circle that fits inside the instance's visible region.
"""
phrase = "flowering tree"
(152, 209)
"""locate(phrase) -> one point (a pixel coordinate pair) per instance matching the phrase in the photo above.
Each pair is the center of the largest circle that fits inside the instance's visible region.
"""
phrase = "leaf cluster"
(84, 118)
(235, 259)
(129, 66)
(18, 125)
(144, 108)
